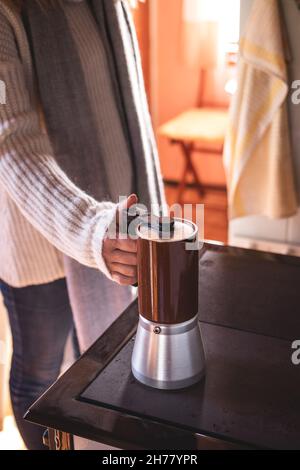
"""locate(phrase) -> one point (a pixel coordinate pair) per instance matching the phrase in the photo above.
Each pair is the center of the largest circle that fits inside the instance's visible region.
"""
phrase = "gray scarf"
(64, 98)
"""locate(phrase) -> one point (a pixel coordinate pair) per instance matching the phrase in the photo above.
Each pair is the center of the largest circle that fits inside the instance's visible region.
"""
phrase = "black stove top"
(239, 397)
(249, 312)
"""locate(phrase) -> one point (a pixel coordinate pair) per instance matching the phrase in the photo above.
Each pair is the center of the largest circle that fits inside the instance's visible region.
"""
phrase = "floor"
(215, 209)
(10, 439)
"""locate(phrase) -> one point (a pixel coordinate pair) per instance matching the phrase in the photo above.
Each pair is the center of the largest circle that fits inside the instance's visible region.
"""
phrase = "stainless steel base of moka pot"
(168, 357)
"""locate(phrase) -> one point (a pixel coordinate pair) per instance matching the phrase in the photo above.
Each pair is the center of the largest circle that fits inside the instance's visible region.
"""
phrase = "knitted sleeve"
(71, 220)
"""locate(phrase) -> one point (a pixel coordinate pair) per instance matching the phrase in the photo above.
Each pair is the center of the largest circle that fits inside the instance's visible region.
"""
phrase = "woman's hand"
(120, 255)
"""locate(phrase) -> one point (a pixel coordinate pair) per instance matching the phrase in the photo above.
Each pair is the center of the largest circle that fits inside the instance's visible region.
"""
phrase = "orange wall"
(177, 89)
(177, 84)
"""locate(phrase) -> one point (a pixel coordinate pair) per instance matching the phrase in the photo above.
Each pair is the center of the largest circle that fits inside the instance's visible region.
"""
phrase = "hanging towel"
(257, 153)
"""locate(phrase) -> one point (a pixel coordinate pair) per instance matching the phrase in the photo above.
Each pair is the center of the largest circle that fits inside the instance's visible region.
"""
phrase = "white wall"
(285, 231)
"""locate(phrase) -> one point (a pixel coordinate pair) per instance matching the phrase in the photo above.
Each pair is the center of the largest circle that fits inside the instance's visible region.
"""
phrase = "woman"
(75, 134)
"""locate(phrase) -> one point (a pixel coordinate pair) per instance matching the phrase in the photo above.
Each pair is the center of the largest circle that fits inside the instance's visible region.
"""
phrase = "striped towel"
(257, 153)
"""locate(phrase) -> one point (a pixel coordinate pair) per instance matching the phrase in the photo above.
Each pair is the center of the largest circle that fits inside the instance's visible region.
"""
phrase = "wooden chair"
(199, 130)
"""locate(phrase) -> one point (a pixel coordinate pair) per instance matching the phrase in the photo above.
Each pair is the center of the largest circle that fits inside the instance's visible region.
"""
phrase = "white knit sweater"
(42, 213)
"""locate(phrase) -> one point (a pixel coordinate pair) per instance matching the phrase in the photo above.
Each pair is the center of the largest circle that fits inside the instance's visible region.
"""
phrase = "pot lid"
(167, 229)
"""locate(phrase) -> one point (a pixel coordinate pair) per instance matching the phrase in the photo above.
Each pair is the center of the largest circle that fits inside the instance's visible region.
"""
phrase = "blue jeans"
(41, 317)
(41, 320)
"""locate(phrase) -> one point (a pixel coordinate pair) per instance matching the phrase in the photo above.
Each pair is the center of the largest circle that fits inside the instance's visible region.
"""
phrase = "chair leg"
(187, 149)
(182, 184)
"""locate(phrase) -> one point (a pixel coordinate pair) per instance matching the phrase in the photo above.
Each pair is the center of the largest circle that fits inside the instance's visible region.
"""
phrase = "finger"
(124, 269)
(126, 245)
(123, 280)
(124, 257)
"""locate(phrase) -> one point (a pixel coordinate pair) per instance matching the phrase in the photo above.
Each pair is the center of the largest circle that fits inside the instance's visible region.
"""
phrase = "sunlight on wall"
(225, 13)
(229, 24)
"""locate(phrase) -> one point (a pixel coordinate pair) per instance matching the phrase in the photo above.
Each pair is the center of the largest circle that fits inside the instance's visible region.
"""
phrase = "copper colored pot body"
(167, 280)
(168, 351)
